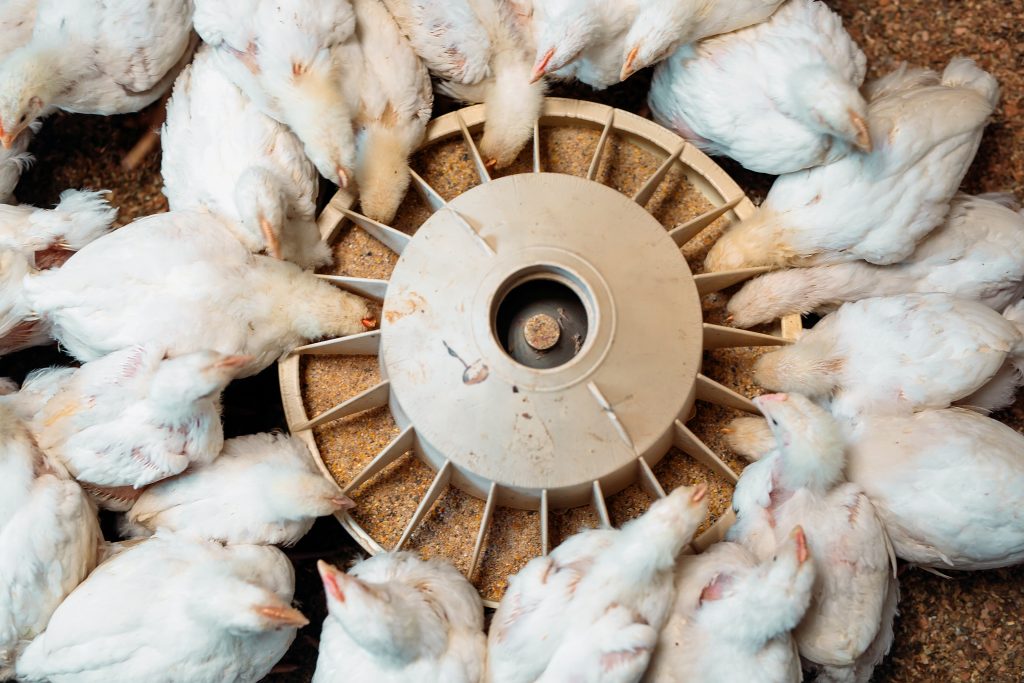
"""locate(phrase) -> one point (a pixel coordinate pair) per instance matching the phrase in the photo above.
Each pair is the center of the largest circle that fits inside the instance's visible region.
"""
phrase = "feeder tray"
(541, 341)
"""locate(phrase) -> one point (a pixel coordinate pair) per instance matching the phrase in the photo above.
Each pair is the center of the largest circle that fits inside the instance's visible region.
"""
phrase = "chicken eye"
(21, 119)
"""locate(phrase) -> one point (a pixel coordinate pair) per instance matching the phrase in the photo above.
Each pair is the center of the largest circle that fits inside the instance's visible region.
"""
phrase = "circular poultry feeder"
(541, 340)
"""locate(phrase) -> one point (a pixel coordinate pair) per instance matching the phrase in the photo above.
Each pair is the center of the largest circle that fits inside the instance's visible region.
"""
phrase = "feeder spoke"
(687, 231)
(600, 506)
(645, 193)
(712, 392)
(545, 523)
(485, 522)
(648, 481)
(362, 344)
(595, 163)
(610, 412)
(477, 237)
(363, 286)
(437, 487)
(719, 337)
(374, 397)
(536, 146)
(398, 447)
(394, 240)
(716, 282)
(474, 151)
(716, 532)
(331, 218)
(689, 443)
(431, 197)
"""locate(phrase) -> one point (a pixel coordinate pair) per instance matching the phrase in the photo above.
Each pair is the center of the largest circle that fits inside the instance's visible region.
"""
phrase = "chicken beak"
(863, 139)
(801, 545)
(341, 502)
(699, 493)
(282, 615)
(541, 67)
(330, 577)
(270, 237)
(7, 139)
(628, 69)
(342, 177)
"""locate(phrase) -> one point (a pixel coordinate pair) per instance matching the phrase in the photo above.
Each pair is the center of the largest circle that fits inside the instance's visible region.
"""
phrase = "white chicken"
(48, 237)
(1000, 391)
(749, 437)
(389, 89)
(942, 482)
(17, 17)
(93, 57)
(221, 153)
(573, 587)
(948, 484)
(615, 649)
(286, 56)
(583, 39)
(210, 291)
(132, 417)
(171, 609)
(733, 615)
(49, 538)
(807, 113)
(395, 618)
(662, 26)
(925, 130)
(978, 253)
(32, 239)
(848, 627)
(896, 354)
(262, 488)
(19, 328)
(481, 53)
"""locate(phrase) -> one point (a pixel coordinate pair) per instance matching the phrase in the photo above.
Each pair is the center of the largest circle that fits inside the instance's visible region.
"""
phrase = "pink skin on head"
(716, 589)
(772, 398)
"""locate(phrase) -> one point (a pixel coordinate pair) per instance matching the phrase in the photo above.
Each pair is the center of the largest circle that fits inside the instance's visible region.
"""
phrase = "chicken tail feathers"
(1015, 314)
(964, 73)
(902, 78)
(81, 217)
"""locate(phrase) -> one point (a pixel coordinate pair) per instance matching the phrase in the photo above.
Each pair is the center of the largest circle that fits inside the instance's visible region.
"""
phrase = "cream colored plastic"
(628, 392)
